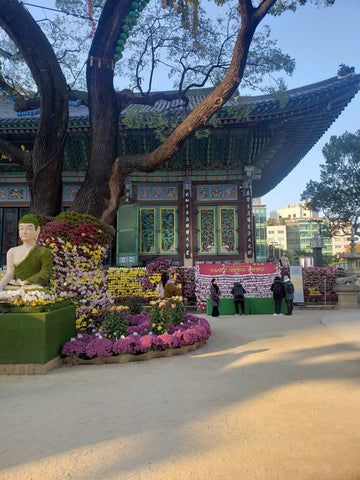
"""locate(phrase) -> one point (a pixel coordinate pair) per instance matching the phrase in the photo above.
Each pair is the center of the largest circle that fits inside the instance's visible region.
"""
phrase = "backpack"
(278, 289)
(290, 288)
(238, 291)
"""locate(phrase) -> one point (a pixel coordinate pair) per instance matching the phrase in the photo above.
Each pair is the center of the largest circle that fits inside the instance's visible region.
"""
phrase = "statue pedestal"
(348, 299)
(30, 343)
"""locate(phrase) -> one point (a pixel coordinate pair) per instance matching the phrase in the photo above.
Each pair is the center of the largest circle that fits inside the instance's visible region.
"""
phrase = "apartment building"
(294, 230)
(276, 239)
(297, 210)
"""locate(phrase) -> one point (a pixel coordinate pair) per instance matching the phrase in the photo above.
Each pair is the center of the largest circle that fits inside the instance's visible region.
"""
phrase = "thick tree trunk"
(94, 195)
(48, 153)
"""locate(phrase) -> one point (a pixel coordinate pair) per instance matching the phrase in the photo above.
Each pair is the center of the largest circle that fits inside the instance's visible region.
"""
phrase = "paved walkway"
(266, 398)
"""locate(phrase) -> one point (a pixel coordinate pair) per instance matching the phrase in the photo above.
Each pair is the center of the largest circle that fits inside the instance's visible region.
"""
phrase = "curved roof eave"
(283, 127)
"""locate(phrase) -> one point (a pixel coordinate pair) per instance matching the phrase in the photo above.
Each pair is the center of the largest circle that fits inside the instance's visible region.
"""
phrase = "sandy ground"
(266, 398)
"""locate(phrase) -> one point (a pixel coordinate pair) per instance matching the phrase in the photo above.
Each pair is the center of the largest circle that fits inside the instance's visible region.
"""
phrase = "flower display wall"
(129, 282)
(79, 244)
(125, 281)
(141, 281)
(256, 284)
(319, 282)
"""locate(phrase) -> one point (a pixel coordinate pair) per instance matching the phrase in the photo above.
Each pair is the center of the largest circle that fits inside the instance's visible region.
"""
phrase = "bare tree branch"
(14, 154)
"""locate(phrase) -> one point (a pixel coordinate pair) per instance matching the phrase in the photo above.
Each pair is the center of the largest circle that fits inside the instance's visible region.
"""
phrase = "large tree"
(43, 165)
(103, 186)
(337, 193)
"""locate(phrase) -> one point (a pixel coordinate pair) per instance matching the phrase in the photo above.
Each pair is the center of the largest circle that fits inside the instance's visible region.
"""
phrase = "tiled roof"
(272, 133)
(258, 105)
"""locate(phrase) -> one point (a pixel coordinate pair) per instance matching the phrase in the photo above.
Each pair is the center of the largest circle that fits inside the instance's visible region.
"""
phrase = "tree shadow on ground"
(157, 402)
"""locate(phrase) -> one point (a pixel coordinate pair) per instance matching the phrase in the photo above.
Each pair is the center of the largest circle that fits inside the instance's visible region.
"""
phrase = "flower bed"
(30, 301)
(194, 331)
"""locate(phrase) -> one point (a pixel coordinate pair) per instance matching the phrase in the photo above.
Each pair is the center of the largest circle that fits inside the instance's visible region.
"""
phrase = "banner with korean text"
(216, 269)
(296, 275)
(256, 278)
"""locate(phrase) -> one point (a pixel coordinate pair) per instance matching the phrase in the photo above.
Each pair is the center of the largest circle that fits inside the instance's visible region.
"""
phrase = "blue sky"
(319, 39)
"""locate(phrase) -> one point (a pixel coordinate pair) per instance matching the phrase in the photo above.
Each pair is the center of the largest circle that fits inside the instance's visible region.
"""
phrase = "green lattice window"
(207, 230)
(217, 230)
(227, 230)
(147, 230)
(167, 230)
(158, 230)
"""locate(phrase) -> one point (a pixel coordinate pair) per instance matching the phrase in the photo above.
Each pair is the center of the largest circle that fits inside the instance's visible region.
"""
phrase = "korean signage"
(187, 222)
(217, 269)
(297, 280)
(249, 221)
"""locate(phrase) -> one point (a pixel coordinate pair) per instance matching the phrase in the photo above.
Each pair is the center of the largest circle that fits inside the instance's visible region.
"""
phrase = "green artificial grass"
(253, 306)
(35, 337)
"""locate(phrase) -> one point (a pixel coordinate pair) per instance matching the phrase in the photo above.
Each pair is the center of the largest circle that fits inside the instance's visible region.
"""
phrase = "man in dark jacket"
(238, 292)
(278, 294)
(289, 294)
(214, 298)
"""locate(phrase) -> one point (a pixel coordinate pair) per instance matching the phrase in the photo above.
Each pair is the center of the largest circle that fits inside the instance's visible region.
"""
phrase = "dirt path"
(266, 398)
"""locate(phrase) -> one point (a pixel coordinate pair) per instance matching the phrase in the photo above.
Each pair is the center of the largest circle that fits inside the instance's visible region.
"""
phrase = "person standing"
(214, 298)
(160, 288)
(172, 288)
(289, 294)
(238, 292)
(278, 294)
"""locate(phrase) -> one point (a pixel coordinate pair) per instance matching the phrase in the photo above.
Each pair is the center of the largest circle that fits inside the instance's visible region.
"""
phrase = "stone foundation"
(348, 299)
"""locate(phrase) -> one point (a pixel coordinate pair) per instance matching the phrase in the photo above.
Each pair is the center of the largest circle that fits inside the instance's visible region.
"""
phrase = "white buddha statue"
(27, 264)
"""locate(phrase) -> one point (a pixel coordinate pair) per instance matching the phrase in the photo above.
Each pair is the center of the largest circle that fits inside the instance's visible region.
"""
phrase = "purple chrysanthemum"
(165, 341)
(136, 320)
(194, 329)
(146, 342)
(122, 346)
(74, 348)
(99, 347)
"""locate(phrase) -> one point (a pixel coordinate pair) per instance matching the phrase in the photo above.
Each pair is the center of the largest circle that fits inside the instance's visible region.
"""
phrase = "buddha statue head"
(29, 228)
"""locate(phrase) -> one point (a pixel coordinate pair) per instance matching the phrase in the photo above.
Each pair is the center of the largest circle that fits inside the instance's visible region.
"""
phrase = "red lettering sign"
(214, 269)
(237, 268)
(217, 269)
(260, 268)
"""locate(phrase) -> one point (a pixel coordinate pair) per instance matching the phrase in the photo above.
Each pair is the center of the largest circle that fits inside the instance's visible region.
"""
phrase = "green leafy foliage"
(115, 324)
(284, 5)
(164, 313)
(337, 193)
(135, 304)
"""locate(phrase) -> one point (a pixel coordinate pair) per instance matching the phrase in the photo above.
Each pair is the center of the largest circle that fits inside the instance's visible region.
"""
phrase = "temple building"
(198, 206)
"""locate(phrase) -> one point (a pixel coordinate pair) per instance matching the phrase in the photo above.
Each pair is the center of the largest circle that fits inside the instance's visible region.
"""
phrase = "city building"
(307, 228)
(294, 235)
(341, 241)
(274, 215)
(297, 210)
(277, 240)
(259, 214)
